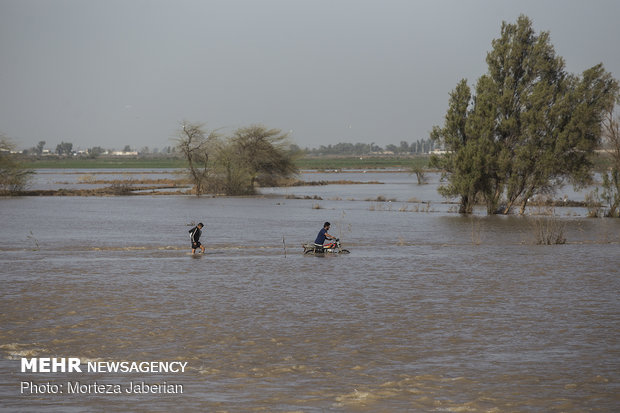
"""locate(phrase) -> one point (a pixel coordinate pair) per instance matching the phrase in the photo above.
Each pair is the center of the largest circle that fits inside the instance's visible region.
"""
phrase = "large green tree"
(263, 153)
(611, 178)
(529, 127)
(459, 162)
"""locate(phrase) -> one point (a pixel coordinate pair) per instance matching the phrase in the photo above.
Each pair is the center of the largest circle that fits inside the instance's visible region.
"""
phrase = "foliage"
(460, 161)
(529, 127)
(419, 173)
(611, 192)
(64, 148)
(39, 148)
(252, 156)
(262, 155)
(343, 148)
(13, 176)
(95, 151)
(611, 179)
(593, 204)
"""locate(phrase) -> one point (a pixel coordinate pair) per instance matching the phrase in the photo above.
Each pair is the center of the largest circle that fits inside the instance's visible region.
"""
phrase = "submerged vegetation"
(549, 230)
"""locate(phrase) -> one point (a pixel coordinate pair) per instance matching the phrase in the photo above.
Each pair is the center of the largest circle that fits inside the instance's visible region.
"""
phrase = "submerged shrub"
(593, 204)
(549, 230)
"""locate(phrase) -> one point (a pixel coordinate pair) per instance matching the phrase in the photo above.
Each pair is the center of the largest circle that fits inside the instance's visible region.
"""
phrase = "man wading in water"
(194, 235)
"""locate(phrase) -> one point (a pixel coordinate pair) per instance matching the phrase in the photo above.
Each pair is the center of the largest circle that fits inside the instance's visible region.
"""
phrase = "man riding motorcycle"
(323, 235)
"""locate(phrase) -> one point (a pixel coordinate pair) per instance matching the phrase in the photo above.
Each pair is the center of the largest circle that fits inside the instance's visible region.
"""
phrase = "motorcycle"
(331, 248)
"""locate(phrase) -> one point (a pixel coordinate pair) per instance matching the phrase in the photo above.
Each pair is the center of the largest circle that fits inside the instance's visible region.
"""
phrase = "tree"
(529, 127)
(95, 151)
(196, 147)
(391, 148)
(251, 156)
(13, 176)
(464, 176)
(263, 154)
(611, 178)
(64, 148)
(469, 158)
(39, 148)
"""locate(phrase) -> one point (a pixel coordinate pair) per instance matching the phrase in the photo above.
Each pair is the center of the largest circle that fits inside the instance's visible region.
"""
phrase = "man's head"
(200, 225)
(326, 225)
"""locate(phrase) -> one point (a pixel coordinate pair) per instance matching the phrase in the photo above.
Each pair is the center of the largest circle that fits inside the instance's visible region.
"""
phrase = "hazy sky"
(126, 72)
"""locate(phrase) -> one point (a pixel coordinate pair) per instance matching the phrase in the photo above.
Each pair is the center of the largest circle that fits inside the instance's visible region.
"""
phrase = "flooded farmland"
(431, 311)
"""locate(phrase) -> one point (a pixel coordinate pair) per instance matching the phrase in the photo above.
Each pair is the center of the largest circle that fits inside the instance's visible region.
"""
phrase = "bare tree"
(196, 146)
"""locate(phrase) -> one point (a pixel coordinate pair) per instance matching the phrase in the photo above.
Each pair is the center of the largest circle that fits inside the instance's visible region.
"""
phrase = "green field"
(105, 163)
(319, 163)
(601, 163)
(361, 162)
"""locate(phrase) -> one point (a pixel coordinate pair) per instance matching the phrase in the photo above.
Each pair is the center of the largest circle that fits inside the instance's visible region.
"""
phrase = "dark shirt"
(195, 234)
(320, 239)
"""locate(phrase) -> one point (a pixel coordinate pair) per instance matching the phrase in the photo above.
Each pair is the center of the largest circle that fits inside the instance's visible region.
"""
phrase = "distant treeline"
(417, 147)
(345, 149)
(67, 149)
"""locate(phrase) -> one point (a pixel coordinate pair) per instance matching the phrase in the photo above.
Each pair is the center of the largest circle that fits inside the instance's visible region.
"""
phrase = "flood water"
(430, 312)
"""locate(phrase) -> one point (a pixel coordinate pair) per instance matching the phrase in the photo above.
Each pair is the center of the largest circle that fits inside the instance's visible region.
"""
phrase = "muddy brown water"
(431, 311)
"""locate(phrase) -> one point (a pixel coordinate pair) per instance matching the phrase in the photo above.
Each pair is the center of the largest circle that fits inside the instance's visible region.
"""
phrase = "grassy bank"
(601, 163)
(104, 163)
(361, 162)
(320, 163)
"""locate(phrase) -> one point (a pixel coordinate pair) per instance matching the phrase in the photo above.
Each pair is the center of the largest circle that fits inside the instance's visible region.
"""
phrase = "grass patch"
(316, 163)
(361, 162)
(414, 163)
(105, 163)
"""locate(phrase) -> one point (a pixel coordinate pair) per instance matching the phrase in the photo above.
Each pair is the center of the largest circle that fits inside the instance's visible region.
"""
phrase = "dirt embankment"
(150, 187)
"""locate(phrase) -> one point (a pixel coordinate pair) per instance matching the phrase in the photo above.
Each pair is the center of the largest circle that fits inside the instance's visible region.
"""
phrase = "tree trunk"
(526, 198)
(463, 208)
